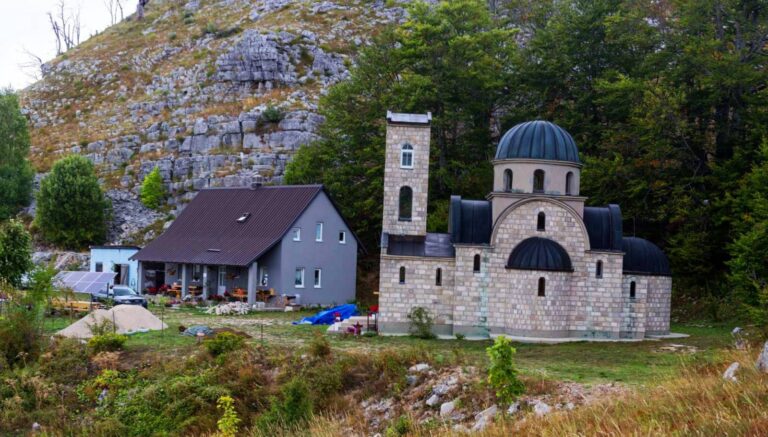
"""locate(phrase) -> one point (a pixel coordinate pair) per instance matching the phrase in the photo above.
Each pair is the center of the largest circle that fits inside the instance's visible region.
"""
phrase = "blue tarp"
(326, 317)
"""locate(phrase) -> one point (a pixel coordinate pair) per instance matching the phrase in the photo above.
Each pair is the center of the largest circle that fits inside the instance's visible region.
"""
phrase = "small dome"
(644, 258)
(538, 253)
(538, 140)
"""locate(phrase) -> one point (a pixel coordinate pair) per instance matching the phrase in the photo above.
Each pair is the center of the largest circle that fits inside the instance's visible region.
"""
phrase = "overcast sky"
(24, 25)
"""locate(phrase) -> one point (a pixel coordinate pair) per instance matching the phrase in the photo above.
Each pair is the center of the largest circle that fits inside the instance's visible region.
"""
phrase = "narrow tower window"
(541, 220)
(599, 269)
(538, 181)
(439, 277)
(402, 275)
(406, 156)
(476, 264)
(569, 184)
(406, 203)
(542, 287)
(632, 290)
(508, 180)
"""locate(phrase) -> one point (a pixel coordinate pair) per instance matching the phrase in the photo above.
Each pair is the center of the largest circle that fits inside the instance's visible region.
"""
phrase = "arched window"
(439, 277)
(599, 269)
(476, 264)
(542, 287)
(569, 184)
(406, 203)
(406, 156)
(632, 291)
(402, 274)
(541, 221)
(508, 180)
(538, 181)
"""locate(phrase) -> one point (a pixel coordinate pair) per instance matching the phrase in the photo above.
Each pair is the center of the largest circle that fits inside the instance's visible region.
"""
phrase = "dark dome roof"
(538, 140)
(538, 253)
(644, 258)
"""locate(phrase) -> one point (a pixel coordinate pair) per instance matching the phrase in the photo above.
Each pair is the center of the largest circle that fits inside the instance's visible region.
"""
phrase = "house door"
(122, 274)
(222, 282)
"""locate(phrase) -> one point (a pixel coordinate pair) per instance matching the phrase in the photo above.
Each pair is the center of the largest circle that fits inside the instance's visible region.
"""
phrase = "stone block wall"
(659, 301)
(396, 177)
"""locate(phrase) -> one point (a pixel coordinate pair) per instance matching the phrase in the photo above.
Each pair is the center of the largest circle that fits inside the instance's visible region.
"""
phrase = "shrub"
(152, 189)
(15, 252)
(16, 173)
(223, 342)
(71, 209)
(294, 407)
(272, 114)
(65, 361)
(20, 341)
(319, 347)
(107, 342)
(421, 323)
(228, 424)
(502, 374)
(399, 427)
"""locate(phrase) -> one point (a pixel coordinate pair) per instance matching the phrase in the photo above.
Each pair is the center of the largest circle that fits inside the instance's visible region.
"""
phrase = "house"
(528, 261)
(116, 259)
(291, 240)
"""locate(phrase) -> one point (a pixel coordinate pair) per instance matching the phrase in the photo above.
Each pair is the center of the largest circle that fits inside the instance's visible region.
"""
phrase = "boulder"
(762, 360)
(484, 418)
(541, 408)
(447, 408)
(418, 368)
(730, 372)
(433, 400)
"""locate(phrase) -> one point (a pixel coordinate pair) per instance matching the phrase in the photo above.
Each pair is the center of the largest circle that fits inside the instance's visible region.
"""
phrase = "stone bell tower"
(406, 174)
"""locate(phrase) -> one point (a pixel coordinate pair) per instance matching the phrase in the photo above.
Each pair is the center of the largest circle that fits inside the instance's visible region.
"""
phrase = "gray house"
(280, 240)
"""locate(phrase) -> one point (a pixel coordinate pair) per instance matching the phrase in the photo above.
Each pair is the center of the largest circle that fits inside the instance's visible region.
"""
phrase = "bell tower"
(406, 174)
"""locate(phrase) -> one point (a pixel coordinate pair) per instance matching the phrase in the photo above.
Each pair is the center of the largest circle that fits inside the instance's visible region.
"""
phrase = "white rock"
(514, 408)
(447, 408)
(433, 400)
(540, 408)
(762, 360)
(730, 372)
(418, 368)
(483, 418)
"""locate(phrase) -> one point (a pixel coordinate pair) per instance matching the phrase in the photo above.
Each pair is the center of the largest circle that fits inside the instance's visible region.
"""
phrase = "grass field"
(637, 363)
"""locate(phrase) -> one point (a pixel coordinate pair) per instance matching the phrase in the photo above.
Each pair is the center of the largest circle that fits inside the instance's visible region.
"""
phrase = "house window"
(296, 234)
(342, 237)
(632, 291)
(264, 276)
(439, 277)
(318, 278)
(222, 276)
(476, 263)
(508, 180)
(406, 203)
(197, 272)
(599, 269)
(541, 220)
(538, 181)
(319, 231)
(99, 267)
(569, 184)
(402, 274)
(542, 287)
(299, 279)
(406, 156)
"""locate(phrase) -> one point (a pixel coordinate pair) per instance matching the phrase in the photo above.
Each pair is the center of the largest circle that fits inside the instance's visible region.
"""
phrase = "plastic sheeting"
(327, 317)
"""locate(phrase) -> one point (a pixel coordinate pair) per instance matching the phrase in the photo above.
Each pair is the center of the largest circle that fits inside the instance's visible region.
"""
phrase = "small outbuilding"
(116, 259)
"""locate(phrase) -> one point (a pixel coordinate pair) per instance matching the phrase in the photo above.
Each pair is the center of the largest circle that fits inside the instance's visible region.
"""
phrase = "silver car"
(121, 295)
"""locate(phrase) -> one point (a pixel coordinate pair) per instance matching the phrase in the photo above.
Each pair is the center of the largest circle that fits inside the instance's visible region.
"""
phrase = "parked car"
(121, 295)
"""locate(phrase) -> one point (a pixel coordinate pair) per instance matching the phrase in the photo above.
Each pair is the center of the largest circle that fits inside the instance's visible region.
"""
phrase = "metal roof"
(470, 221)
(538, 253)
(398, 117)
(208, 231)
(604, 227)
(538, 139)
(116, 247)
(432, 245)
(644, 258)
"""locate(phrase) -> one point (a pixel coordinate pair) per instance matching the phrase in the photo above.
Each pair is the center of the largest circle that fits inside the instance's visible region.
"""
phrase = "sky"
(24, 26)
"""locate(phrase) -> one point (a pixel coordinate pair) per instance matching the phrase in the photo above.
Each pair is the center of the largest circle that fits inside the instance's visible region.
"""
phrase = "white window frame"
(264, 277)
(342, 237)
(299, 270)
(222, 278)
(296, 234)
(409, 151)
(317, 278)
(319, 232)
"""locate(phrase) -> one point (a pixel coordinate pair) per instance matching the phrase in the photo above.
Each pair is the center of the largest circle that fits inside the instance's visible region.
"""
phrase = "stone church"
(529, 261)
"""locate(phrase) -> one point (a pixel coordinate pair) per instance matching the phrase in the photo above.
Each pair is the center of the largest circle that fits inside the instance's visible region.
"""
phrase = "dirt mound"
(126, 318)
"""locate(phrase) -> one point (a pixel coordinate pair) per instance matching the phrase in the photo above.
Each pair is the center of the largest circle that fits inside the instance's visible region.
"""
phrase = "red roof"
(208, 231)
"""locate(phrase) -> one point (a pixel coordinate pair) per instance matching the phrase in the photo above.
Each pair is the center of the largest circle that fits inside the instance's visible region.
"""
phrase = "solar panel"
(85, 282)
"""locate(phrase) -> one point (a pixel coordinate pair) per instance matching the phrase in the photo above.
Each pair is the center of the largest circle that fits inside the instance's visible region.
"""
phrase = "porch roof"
(230, 226)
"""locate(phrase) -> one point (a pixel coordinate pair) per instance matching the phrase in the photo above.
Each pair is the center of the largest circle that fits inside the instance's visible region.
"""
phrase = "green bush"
(223, 342)
(272, 114)
(292, 408)
(15, 252)
(20, 341)
(320, 347)
(421, 323)
(72, 211)
(502, 374)
(399, 427)
(16, 173)
(109, 342)
(228, 424)
(152, 189)
(65, 361)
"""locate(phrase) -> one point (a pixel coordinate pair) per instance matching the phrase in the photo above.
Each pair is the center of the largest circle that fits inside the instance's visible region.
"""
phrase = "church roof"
(604, 227)
(538, 139)
(470, 221)
(538, 253)
(431, 245)
(644, 258)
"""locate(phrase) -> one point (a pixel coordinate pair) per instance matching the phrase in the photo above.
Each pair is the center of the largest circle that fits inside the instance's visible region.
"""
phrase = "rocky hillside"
(213, 92)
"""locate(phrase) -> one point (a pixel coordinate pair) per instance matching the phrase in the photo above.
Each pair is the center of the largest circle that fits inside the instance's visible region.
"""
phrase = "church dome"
(642, 257)
(538, 253)
(538, 139)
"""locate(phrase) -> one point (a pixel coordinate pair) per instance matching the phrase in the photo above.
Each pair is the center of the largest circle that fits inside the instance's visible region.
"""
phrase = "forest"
(666, 101)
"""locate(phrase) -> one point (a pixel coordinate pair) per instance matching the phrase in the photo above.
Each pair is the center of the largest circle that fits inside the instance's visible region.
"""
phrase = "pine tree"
(152, 189)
